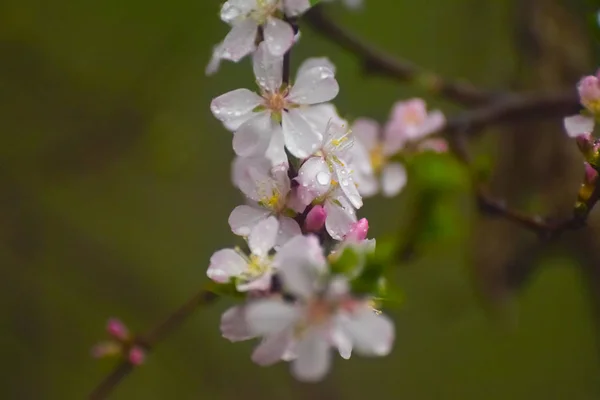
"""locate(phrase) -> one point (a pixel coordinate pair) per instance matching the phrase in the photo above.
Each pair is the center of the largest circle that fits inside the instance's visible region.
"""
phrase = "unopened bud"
(137, 355)
(589, 93)
(117, 329)
(359, 230)
(315, 219)
(585, 143)
(591, 175)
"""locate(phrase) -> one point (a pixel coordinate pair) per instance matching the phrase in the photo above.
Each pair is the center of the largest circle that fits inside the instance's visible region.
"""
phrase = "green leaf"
(346, 262)
(225, 289)
(314, 2)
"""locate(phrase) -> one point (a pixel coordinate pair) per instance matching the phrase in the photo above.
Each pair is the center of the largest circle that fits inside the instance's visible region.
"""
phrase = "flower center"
(264, 9)
(276, 102)
(257, 266)
(413, 117)
(378, 158)
(592, 105)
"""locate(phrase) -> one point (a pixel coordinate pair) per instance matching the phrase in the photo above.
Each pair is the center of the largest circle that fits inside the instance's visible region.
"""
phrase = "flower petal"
(234, 9)
(243, 218)
(295, 7)
(268, 68)
(315, 62)
(314, 179)
(366, 131)
(225, 264)
(276, 149)
(239, 42)
(372, 334)
(288, 229)
(272, 348)
(320, 116)
(300, 138)
(299, 262)
(215, 60)
(261, 283)
(578, 125)
(340, 217)
(279, 36)
(313, 357)
(235, 105)
(234, 326)
(393, 179)
(267, 317)
(341, 340)
(263, 235)
(347, 185)
(314, 85)
(253, 137)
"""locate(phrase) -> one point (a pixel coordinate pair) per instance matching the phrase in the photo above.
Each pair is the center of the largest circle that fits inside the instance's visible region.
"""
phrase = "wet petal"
(239, 42)
(276, 150)
(243, 218)
(295, 7)
(268, 68)
(393, 179)
(315, 62)
(235, 105)
(263, 235)
(319, 116)
(261, 283)
(340, 217)
(578, 125)
(234, 9)
(279, 36)
(300, 138)
(266, 317)
(313, 357)
(299, 262)
(347, 185)
(288, 229)
(234, 326)
(342, 341)
(314, 85)
(314, 179)
(225, 264)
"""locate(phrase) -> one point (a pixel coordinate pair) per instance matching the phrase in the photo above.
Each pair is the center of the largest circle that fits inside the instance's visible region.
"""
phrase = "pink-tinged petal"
(299, 262)
(340, 217)
(254, 136)
(244, 218)
(234, 326)
(313, 357)
(578, 125)
(295, 201)
(367, 184)
(359, 231)
(263, 236)
(434, 122)
(225, 264)
(436, 145)
(342, 342)
(260, 284)
(314, 179)
(393, 179)
(215, 60)
(267, 317)
(273, 347)
(409, 111)
(367, 132)
(314, 85)
(315, 219)
(244, 171)
(295, 7)
(288, 229)
(372, 334)
(315, 62)
(589, 92)
(347, 185)
(235, 105)
(279, 36)
(276, 149)
(319, 116)
(240, 41)
(268, 68)
(234, 9)
(300, 138)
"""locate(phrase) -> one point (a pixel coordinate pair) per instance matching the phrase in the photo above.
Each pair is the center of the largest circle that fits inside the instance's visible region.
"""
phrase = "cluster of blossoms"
(306, 273)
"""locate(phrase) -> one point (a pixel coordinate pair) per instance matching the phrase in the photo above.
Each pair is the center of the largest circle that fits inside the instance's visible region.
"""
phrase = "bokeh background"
(115, 191)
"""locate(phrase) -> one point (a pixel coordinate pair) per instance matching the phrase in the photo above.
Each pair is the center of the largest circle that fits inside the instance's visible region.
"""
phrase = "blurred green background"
(115, 191)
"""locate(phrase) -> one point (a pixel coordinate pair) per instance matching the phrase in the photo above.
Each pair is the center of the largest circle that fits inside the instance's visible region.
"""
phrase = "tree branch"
(150, 339)
(375, 60)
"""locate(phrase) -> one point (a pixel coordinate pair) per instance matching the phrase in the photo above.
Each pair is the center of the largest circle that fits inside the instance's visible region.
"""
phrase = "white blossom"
(281, 114)
(324, 315)
(267, 189)
(576, 125)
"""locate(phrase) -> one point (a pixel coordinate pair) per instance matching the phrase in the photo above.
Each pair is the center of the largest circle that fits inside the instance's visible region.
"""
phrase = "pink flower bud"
(591, 175)
(117, 329)
(137, 355)
(315, 219)
(359, 230)
(585, 142)
(589, 93)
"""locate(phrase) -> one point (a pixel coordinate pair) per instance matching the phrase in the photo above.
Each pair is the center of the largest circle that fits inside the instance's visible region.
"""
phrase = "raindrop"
(323, 178)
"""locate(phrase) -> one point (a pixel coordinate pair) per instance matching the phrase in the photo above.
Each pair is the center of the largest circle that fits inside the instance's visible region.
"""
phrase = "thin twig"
(149, 340)
(375, 60)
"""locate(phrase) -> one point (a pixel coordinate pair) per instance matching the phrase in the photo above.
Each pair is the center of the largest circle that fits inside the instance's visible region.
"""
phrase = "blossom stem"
(148, 340)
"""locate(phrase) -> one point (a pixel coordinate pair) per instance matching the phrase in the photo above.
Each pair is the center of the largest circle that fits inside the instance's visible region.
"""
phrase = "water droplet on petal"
(323, 178)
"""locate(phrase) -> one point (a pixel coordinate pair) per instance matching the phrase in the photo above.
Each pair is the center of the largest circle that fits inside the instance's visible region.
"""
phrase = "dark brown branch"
(149, 340)
(377, 61)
